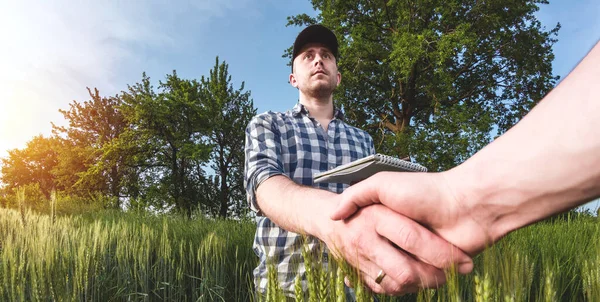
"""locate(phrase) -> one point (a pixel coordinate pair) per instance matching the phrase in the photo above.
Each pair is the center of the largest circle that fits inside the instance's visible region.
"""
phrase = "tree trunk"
(114, 185)
(223, 196)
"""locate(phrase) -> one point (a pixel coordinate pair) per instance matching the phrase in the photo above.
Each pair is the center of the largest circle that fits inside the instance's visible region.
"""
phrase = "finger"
(347, 282)
(404, 274)
(371, 246)
(344, 210)
(421, 242)
(369, 271)
(360, 195)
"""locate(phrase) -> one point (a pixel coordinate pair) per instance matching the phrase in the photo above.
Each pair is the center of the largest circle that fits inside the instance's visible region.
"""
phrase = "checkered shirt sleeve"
(263, 146)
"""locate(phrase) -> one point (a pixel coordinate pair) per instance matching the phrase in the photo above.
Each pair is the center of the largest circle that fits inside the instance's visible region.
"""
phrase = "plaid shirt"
(294, 145)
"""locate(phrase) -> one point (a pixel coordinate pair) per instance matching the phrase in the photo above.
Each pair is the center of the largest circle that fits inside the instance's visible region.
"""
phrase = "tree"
(85, 166)
(32, 165)
(230, 111)
(436, 79)
(169, 129)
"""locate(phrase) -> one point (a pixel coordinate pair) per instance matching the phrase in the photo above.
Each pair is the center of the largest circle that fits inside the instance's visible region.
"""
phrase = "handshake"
(402, 230)
(437, 220)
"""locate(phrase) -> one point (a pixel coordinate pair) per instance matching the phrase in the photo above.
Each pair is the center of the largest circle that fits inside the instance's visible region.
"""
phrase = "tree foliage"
(187, 138)
(170, 126)
(84, 166)
(230, 110)
(177, 147)
(32, 165)
(437, 79)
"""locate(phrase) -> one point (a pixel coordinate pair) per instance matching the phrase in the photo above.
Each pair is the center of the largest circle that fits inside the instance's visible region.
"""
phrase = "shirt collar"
(299, 109)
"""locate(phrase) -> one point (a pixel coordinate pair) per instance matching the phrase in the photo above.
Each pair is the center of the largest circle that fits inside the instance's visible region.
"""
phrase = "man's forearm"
(549, 162)
(295, 208)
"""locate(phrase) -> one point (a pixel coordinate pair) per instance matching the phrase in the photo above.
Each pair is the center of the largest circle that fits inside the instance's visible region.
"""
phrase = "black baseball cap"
(315, 33)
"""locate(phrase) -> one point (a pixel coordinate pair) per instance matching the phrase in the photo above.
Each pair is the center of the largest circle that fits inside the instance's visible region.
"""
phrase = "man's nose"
(318, 60)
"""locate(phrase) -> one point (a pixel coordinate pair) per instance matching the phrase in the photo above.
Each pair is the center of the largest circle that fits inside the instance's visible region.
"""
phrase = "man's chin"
(322, 90)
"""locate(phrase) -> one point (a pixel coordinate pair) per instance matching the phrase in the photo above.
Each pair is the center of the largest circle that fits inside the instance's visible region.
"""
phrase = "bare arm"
(548, 163)
(296, 208)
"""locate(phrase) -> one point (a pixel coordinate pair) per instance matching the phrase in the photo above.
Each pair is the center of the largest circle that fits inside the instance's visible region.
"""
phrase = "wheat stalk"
(21, 201)
(53, 198)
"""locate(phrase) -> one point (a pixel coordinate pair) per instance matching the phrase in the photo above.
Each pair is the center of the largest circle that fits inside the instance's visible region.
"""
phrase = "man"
(284, 150)
(546, 164)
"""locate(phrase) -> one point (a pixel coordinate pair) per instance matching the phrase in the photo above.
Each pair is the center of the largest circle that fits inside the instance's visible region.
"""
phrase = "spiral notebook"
(360, 169)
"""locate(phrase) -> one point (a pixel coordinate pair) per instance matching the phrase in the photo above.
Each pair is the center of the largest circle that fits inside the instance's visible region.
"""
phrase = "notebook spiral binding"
(402, 164)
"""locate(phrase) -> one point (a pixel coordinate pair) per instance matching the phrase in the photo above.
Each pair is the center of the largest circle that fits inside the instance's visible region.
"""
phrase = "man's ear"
(293, 81)
(339, 78)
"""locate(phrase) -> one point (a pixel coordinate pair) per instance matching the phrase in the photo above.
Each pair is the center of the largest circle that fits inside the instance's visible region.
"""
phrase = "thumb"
(360, 195)
(344, 210)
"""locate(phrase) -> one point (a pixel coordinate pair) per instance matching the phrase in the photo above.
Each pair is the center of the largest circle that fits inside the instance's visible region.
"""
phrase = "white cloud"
(52, 50)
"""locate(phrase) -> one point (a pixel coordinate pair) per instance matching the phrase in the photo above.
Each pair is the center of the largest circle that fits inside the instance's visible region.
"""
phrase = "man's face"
(315, 71)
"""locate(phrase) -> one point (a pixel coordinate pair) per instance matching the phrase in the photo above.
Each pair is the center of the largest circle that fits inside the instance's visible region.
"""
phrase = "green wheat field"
(116, 256)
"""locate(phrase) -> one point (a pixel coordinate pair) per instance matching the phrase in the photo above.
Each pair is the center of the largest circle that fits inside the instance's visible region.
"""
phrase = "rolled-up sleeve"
(263, 155)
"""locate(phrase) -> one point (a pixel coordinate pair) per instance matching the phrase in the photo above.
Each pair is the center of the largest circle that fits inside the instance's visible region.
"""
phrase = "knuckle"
(396, 289)
(405, 279)
(408, 237)
(377, 289)
(441, 259)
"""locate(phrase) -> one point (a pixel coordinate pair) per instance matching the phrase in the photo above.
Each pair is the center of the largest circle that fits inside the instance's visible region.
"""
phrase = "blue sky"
(51, 50)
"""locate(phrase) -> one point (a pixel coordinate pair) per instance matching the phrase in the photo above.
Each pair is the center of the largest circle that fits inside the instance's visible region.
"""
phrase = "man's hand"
(364, 240)
(425, 198)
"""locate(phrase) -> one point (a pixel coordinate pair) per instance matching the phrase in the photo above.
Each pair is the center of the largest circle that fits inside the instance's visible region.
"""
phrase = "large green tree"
(436, 79)
(84, 165)
(186, 138)
(230, 110)
(168, 128)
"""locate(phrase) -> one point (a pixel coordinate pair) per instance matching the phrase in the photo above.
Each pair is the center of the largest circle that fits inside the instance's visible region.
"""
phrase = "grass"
(115, 256)
(111, 256)
(551, 261)
(545, 262)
